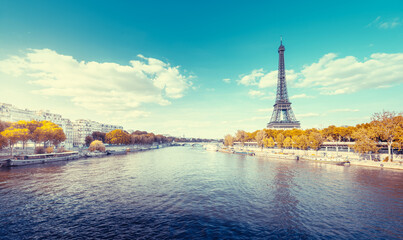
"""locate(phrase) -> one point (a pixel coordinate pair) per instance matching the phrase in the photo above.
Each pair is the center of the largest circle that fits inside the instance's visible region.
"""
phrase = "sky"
(202, 68)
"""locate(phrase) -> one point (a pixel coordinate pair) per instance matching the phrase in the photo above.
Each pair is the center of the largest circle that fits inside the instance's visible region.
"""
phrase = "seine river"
(189, 193)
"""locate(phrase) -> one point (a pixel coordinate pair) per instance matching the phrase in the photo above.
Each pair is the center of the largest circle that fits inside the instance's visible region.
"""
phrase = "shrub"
(97, 146)
(40, 150)
(49, 150)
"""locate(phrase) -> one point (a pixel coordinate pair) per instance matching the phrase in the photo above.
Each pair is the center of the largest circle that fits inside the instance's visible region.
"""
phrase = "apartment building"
(75, 131)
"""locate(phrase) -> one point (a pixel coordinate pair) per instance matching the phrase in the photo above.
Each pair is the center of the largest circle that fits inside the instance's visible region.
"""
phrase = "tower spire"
(283, 116)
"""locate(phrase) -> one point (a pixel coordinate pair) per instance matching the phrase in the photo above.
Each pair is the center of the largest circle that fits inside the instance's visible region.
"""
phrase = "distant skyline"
(201, 69)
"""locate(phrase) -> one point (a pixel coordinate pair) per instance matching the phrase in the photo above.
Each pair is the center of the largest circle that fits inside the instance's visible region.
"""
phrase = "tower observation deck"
(283, 116)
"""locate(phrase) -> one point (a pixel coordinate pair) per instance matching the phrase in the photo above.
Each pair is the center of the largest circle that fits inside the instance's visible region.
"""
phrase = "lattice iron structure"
(283, 116)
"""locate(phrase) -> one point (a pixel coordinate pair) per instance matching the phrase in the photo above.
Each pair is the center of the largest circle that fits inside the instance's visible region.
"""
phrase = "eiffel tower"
(283, 116)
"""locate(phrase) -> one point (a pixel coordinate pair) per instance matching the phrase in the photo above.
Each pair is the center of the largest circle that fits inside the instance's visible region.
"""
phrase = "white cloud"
(385, 24)
(303, 95)
(334, 75)
(270, 79)
(252, 78)
(104, 87)
(305, 115)
(263, 80)
(270, 96)
(227, 80)
(265, 110)
(344, 110)
(255, 93)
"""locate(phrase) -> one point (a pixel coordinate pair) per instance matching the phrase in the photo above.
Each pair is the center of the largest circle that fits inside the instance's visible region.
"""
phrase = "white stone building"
(10, 113)
(75, 131)
(83, 128)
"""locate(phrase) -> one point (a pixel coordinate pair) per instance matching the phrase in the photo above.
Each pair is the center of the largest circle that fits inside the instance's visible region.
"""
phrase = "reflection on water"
(187, 193)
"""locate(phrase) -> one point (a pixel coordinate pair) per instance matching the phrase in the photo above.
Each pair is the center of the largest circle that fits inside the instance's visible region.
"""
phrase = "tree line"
(121, 137)
(384, 127)
(39, 132)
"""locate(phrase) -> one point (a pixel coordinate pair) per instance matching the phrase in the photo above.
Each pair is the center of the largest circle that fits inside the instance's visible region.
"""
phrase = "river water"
(189, 193)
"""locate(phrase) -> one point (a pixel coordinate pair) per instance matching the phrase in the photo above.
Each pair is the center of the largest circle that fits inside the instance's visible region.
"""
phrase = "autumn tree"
(118, 137)
(302, 142)
(330, 133)
(49, 133)
(280, 140)
(269, 142)
(365, 140)
(88, 140)
(315, 140)
(24, 135)
(4, 125)
(260, 136)
(294, 141)
(228, 140)
(3, 141)
(13, 136)
(97, 145)
(287, 142)
(32, 126)
(241, 136)
(387, 126)
(99, 136)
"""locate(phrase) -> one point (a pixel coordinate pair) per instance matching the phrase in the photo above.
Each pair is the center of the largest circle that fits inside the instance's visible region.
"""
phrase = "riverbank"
(115, 150)
(338, 158)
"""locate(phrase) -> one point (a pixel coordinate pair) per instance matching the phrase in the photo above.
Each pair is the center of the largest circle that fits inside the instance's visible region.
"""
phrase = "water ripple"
(186, 193)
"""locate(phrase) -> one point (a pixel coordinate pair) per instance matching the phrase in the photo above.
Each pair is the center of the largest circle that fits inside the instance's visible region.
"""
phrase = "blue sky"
(202, 69)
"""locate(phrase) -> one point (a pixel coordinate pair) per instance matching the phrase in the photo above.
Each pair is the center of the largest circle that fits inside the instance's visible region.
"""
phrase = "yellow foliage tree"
(49, 132)
(118, 137)
(280, 140)
(241, 136)
(228, 140)
(294, 141)
(269, 142)
(315, 140)
(302, 142)
(365, 141)
(287, 142)
(14, 135)
(97, 145)
(387, 126)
